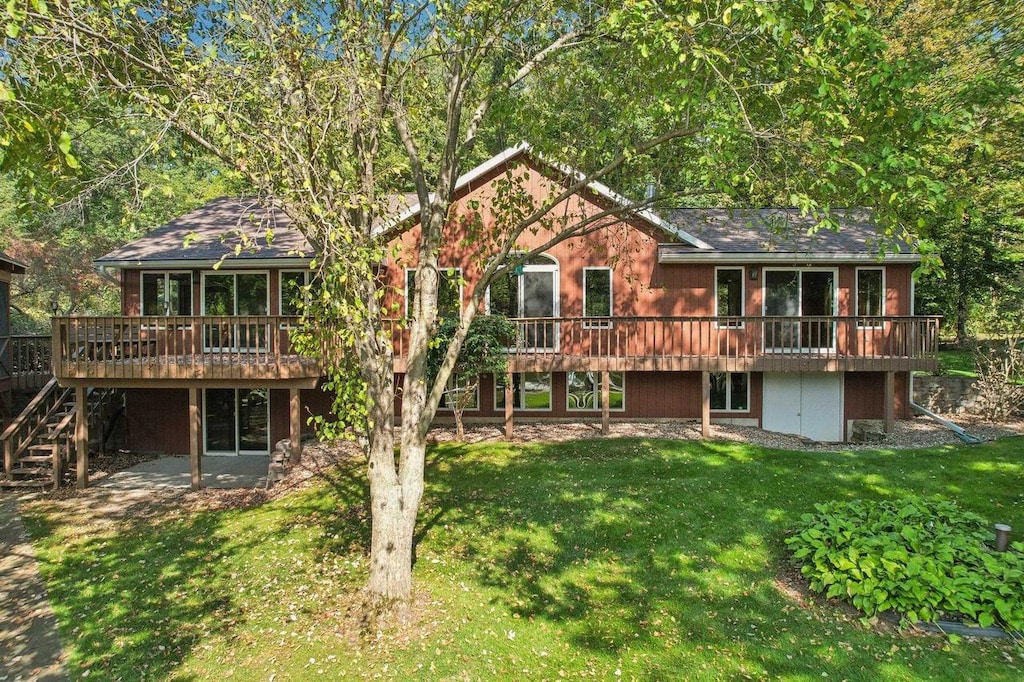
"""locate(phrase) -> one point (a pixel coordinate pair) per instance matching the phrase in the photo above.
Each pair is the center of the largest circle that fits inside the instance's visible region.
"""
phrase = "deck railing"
(30, 361)
(244, 347)
(186, 347)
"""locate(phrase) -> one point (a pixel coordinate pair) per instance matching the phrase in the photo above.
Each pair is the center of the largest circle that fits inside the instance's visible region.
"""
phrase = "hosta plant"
(924, 559)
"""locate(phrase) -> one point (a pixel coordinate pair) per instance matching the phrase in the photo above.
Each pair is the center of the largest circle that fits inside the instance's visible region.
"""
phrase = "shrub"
(924, 559)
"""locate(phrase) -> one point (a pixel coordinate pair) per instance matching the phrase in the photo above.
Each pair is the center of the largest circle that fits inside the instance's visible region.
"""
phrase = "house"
(8, 267)
(693, 314)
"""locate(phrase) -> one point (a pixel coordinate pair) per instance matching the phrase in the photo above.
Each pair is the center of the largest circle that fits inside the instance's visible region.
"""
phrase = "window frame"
(600, 323)
(165, 274)
(306, 279)
(442, 271)
(728, 393)
(519, 397)
(866, 321)
(453, 382)
(739, 324)
(597, 394)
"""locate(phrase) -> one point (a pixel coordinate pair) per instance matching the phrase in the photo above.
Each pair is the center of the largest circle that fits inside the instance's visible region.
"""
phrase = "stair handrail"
(23, 424)
(29, 409)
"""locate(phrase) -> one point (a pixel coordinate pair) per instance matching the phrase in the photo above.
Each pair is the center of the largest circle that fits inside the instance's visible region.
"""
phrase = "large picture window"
(583, 391)
(530, 391)
(729, 296)
(293, 287)
(597, 296)
(167, 293)
(449, 291)
(730, 391)
(870, 296)
(458, 388)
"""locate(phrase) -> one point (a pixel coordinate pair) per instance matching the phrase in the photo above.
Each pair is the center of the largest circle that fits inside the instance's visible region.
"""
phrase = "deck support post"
(890, 401)
(509, 396)
(295, 425)
(705, 404)
(605, 395)
(81, 438)
(194, 428)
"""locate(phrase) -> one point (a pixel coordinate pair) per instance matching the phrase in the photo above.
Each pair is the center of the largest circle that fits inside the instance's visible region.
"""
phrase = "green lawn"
(957, 363)
(614, 559)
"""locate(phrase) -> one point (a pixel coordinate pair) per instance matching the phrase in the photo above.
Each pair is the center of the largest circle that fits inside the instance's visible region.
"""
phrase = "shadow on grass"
(134, 601)
(673, 546)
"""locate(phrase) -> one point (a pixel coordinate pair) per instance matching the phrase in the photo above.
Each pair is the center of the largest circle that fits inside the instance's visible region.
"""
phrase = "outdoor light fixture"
(1002, 537)
(54, 307)
(753, 273)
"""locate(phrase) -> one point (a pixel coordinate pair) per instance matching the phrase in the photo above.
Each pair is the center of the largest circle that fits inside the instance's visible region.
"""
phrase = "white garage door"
(808, 404)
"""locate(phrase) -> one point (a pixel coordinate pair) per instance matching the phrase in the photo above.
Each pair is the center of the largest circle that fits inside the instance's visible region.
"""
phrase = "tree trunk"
(963, 312)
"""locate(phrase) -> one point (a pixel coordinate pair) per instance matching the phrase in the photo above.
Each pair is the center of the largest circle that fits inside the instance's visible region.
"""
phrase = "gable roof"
(204, 236)
(11, 265)
(524, 149)
(781, 234)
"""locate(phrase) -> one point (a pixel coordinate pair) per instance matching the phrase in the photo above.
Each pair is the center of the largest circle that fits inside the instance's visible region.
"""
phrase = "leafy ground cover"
(610, 559)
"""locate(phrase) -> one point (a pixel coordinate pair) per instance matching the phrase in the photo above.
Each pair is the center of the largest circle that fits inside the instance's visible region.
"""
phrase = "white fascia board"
(724, 257)
(594, 186)
(205, 264)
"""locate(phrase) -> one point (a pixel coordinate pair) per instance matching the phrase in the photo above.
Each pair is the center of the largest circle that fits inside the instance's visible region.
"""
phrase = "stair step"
(30, 471)
(41, 447)
(34, 459)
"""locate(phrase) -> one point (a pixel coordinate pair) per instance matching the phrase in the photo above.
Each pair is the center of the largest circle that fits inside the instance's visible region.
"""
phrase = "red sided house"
(695, 314)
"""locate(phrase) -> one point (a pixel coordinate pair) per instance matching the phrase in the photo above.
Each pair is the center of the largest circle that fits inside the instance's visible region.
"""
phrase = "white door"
(808, 404)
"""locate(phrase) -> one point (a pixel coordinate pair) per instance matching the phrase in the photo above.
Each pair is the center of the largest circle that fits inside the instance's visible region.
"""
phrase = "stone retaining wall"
(946, 394)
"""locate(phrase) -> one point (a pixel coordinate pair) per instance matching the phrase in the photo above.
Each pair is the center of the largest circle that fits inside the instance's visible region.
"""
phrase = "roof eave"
(670, 256)
(204, 263)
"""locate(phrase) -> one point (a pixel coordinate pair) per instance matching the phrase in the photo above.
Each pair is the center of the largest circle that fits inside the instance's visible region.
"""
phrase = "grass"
(957, 363)
(611, 559)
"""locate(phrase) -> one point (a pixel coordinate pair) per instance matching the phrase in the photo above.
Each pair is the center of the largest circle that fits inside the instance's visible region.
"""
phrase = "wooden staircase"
(39, 445)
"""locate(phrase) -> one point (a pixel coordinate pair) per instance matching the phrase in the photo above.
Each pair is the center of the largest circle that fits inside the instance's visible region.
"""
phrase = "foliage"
(921, 558)
(482, 352)
(972, 56)
(655, 558)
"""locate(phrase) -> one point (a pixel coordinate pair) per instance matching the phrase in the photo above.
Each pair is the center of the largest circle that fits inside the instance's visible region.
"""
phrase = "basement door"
(808, 404)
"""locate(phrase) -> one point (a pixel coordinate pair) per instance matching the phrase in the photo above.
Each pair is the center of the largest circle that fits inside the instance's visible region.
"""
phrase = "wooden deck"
(183, 351)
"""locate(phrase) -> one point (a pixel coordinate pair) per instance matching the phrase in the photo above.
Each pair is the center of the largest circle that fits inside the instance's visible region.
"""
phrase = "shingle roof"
(8, 263)
(781, 232)
(210, 232)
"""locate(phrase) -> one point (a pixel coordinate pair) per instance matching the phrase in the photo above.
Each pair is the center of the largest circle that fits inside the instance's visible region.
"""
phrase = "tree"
(329, 108)
(482, 352)
(973, 51)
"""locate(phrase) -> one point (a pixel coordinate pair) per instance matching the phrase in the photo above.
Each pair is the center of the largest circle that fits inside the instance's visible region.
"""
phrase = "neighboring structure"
(700, 314)
(8, 267)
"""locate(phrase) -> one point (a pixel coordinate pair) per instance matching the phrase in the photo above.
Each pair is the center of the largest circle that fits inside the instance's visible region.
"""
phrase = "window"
(530, 391)
(583, 391)
(730, 391)
(449, 291)
(167, 293)
(729, 295)
(293, 290)
(458, 387)
(870, 296)
(597, 296)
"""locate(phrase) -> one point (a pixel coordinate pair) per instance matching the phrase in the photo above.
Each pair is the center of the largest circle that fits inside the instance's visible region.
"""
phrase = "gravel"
(919, 432)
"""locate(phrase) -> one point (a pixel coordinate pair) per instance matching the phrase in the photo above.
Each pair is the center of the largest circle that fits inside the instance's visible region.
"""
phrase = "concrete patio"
(243, 471)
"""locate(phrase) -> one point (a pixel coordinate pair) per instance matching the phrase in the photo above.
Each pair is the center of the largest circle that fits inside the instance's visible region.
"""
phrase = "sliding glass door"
(794, 294)
(235, 294)
(237, 421)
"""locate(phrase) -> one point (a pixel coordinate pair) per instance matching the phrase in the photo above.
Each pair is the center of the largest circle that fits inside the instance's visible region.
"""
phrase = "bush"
(924, 559)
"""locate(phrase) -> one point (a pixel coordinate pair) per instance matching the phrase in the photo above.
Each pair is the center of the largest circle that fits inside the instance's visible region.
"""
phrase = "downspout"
(960, 433)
